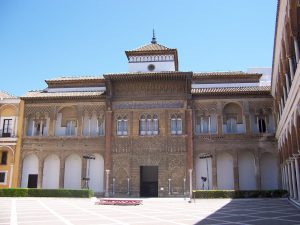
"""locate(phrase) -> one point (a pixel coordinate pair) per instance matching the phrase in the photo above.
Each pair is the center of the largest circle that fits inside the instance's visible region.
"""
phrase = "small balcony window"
(176, 125)
(122, 127)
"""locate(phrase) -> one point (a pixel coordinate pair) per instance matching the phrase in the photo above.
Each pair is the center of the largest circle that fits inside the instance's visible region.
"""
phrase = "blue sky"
(42, 39)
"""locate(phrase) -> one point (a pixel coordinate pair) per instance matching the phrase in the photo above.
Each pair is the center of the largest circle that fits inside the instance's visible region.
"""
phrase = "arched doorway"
(247, 179)
(30, 171)
(51, 172)
(72, 172)
(268, 171)
(97, 173)
(225, 177)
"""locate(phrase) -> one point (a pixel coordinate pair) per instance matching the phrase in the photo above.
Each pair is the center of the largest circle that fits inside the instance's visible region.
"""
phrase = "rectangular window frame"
(5, 177)
(6, 158)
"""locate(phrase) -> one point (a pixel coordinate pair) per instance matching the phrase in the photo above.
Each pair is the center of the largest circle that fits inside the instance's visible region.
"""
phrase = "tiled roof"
(232, 90)
(4, 94)
(150, 47)
(47, 95)
(75, 78)
(225, 73)
(143, 75)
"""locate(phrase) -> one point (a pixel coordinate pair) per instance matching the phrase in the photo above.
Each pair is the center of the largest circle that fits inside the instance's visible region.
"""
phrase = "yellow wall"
(13, 158)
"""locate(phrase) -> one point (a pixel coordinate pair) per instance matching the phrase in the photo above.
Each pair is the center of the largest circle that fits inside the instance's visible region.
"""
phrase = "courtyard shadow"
(255, 212)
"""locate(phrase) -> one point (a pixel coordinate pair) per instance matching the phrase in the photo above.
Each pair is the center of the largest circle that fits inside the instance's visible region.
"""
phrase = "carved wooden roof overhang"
(79, 81)
(259, 90)
(226, 77)
(168, 75)
(154, 49)
(40, 95)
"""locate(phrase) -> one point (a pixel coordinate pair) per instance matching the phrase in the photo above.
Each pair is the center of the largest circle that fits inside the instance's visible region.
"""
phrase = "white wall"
(159, 66)
(246, 167)
(203, 169)
(268, 172)
(97, 174)
(73, 172)
(51, 172)
(225, 178)
(30, 166)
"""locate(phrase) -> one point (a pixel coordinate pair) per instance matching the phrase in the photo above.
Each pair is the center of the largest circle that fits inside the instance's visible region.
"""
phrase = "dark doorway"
(32, 180)
(149, 181)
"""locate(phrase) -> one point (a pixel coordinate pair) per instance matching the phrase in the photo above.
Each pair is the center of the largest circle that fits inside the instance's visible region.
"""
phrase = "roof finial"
(153, 38)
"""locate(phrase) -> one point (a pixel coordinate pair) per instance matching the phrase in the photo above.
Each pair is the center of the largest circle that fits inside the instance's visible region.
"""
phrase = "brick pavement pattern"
(70, 211)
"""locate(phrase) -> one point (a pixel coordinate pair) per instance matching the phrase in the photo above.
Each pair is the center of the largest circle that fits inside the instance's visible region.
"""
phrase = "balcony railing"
(7, 133)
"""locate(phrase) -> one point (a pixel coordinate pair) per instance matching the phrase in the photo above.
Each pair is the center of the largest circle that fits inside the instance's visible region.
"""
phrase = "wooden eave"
(148, 76)
(264, 90)
(76, 82)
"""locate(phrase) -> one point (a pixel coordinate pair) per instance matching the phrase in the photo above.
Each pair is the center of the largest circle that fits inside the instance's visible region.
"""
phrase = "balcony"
(8, 135)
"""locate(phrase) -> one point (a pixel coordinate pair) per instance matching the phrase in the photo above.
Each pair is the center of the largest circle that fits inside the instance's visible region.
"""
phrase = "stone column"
(40, 174)
(286, 177)
(247, 124)
(220, 124)
(61, 173)
(257, 173)
(107, 183)
(288, 84)
(189, 132)
(236, 172)
(214, 172)
(107, 153)
(297, 176)
(293, 178)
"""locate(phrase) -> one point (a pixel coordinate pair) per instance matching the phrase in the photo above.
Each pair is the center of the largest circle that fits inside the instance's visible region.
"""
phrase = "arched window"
(176, 125)
(122, 126)
(233, 118)
(203, 124)
(262, 126)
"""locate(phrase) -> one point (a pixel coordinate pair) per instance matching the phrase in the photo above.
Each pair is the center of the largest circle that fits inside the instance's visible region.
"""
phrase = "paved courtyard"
(61, 211)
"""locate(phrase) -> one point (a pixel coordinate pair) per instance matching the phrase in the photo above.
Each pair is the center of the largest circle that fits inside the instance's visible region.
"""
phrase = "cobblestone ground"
(70, 211)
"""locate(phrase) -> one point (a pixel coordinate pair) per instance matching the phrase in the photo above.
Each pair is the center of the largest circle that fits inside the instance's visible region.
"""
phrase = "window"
(122, 126)
(203, 125)
(2, 177)
(3, 158)
(40, 128)
(7, 128)
(149, 125)
(176, 125)
(231, 125)
(70, 129)
(101, 127)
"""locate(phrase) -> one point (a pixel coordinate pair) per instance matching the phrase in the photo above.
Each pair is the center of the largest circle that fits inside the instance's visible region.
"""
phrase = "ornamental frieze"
(205, 108)
(148, 105)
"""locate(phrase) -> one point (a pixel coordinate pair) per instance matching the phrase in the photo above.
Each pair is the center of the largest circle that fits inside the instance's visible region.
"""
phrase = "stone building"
(285, 89)
(11, 114)
(153, 131)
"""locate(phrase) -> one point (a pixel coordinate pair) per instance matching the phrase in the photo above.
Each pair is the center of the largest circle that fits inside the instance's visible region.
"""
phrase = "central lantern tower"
(152, 57)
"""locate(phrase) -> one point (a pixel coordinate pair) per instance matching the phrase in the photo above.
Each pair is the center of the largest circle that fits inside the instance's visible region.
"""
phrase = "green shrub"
(32, 192)
(239, 194)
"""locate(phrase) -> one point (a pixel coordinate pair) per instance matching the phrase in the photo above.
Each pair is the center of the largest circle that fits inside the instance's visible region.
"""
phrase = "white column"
(290, 180)
(293, 179)
(107, 183)
(54, 127)
(32, 132)
(191, 183)
(97, 128)
(201, 126)
(11, 174)
(209, 124)
(257, 124)
(266, 123)
(15, 126)
(297, 177)
(89, 126)
(41, 128)
(291, 68)
(296, 49)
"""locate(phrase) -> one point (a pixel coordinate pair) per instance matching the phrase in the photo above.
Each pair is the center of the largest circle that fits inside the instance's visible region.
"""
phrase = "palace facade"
(285, 89)
(152, 131)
